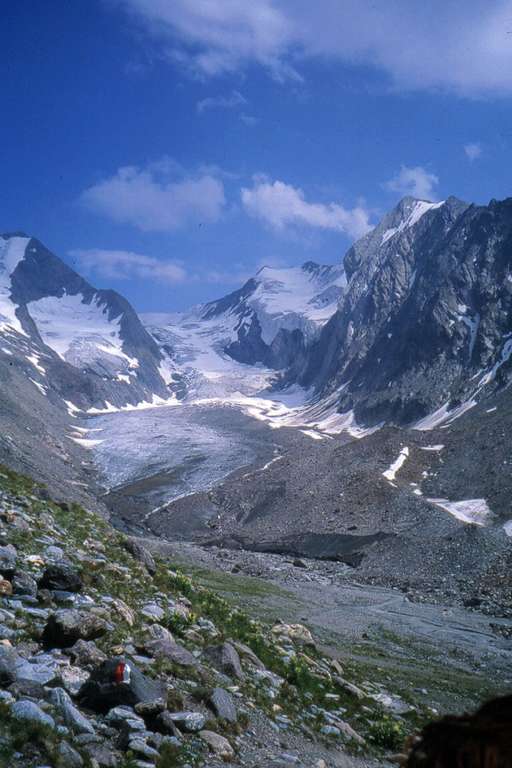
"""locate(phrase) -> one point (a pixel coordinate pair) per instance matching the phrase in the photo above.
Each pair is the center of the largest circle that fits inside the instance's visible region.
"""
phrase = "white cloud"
(235, 99)
(127, 265)
(281, 205)
(473, 151)
(154, 200)
(464, 47)
(249, 120)
(416, 181)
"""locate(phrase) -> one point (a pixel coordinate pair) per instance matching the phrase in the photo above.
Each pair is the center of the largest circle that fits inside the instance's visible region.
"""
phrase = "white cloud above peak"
(127, 265)
(473, 151)
(462, 47)
(281, 205)
(415, 181)
(235, 99)
(157, 198)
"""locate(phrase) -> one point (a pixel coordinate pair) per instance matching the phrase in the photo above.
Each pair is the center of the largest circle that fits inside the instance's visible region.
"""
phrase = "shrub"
(387, 733)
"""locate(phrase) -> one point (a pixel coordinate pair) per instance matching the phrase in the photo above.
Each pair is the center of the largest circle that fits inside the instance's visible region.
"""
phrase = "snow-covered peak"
(406, 215)
(81, 332)
(298, 291)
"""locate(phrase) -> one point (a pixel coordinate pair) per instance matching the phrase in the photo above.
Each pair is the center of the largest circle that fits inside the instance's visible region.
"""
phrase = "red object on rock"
(119, 673)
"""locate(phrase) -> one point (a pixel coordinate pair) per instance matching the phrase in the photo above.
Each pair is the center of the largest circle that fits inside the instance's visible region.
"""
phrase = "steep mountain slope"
(427, 511)
(87, 346)
(426, 319)
(263, 325)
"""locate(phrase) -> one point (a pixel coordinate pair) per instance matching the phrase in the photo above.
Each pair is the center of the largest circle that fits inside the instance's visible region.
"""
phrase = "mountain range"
(414, 324)
(406, 343)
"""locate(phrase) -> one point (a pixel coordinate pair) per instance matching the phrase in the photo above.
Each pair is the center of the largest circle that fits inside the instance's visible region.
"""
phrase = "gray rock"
(6, 633)
(226, 658)
(218, 744)
(191, 722)
(166, 724)
(103, 754)
(61, 576)
(152, 612)
(119, 682)
(73, 718)
(8, 557)
(223, 704)
(66, 626)
(85, 653)
(150, 708)
(24, 584)
(67, 757)
(157, 632)
(173, 652)
(6, 697)
(8, 661)
(41, 669)
(125, 717)
(32, 713)
(72, 678)
(54, 554)
(141, 748)
(141, 554)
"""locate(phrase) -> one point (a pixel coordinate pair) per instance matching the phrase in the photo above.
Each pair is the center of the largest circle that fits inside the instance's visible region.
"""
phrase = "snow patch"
(418, 209)
(12, 251)
(40, 387)
(443, 415)
(85, 442)
(34, 359)
(475, 511)
(81, 333)
(390, 473)
(312, 434)
(155, 402)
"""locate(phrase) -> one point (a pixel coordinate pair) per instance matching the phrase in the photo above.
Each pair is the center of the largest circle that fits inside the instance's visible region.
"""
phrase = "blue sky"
(169, 148)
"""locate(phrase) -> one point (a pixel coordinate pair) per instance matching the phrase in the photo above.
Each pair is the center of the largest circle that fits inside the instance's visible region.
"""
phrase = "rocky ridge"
(424, 322)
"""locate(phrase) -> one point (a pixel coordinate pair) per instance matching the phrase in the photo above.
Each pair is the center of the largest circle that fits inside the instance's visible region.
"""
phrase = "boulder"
(165, 723)
(67, 757)
(141, 554)
(9, 659)
(218, 744)
(248, 654)
(8, 557)
(118, 682)
(61, 576)
(171, 651)
(30, 712)
(126, 718)
(157, 632)
(85, 653)
(5, 588)
(223, 704)
(190, 722)
(72, 678)
(297, 633)
(225, 658)
(124, 611)
(42, 669)
(73, 718)
(66, 626)
(152, 612)
(24, 584)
